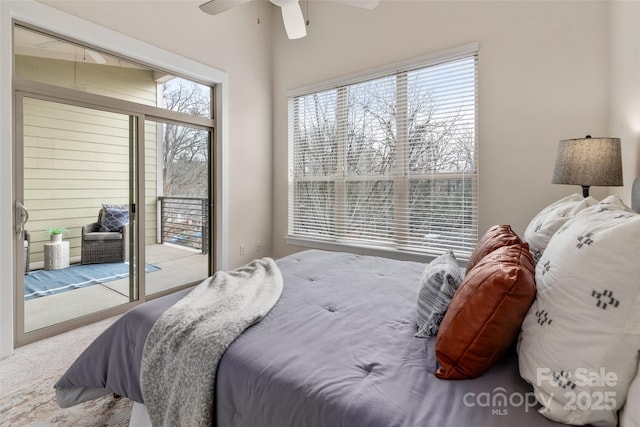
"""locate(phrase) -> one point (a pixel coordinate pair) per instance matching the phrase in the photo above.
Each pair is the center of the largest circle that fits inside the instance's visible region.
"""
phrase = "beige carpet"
(27, 377)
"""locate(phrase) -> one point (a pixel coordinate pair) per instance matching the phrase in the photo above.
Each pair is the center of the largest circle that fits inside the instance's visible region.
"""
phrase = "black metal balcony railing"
(184, 221)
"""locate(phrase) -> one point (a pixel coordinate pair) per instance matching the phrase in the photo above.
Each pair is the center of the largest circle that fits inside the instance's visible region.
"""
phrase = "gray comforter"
(338, 349)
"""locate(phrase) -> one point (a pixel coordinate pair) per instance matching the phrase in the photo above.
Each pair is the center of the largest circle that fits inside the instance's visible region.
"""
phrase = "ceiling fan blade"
(362, 4)
(215, 7)
(292, 18)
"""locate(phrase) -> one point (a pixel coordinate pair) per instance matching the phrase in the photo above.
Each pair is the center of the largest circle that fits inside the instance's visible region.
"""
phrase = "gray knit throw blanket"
(184, 346)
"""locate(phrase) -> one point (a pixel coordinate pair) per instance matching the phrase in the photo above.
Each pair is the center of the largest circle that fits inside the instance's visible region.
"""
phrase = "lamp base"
(585, 191)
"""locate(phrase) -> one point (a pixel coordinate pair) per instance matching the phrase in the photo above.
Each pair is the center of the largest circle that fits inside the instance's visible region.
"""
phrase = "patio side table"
(56, 255)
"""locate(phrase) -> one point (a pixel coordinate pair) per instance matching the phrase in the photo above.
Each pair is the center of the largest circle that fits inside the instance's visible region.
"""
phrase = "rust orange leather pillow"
(486, 312)
(496, 237)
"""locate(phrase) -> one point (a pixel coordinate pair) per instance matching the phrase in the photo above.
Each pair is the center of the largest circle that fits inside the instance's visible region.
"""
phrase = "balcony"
(184, 221)
(175, 247)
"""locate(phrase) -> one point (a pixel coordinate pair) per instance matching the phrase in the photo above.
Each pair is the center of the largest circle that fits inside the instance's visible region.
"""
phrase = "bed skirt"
(139, 416)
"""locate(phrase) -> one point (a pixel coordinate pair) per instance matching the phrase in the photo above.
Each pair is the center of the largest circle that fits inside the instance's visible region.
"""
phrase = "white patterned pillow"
(581, 337)
(549, 220)
(613, 203)
(438, 283)
(630, 414)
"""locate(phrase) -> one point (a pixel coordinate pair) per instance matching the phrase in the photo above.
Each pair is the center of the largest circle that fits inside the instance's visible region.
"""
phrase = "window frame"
(401, 180)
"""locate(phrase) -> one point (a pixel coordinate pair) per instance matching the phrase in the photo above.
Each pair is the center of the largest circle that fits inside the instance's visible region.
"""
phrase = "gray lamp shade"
(589, 161)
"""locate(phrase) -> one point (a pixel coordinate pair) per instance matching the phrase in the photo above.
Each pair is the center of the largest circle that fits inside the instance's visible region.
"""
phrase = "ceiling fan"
(291, 12)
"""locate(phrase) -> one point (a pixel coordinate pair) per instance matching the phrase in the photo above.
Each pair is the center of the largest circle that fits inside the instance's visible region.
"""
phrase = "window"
(389, 160)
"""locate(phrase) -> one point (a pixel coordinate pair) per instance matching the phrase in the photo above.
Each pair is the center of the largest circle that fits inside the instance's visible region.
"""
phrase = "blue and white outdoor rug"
(41, 283)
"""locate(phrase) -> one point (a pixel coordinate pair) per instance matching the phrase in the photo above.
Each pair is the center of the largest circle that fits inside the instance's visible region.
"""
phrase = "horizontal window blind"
(389, 161)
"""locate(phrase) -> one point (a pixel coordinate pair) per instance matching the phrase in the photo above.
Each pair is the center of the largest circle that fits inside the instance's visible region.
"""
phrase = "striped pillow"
(438, 283)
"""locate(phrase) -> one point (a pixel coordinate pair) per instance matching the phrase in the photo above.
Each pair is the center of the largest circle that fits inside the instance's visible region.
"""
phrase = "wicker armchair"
(100, 246)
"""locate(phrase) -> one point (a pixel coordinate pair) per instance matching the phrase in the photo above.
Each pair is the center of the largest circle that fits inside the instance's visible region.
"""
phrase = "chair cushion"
(103, 236)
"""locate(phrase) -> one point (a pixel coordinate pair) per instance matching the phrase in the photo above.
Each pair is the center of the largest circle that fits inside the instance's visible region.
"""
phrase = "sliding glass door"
(78, 188)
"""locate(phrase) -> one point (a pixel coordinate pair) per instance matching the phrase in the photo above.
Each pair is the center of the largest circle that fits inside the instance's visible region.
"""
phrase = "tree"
(185, 149)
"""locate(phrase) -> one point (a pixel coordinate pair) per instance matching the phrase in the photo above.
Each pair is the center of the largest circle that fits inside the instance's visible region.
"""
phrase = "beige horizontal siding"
(60, 167)
(79, 184)
(100, 176)
(80, 155)
(107, 196)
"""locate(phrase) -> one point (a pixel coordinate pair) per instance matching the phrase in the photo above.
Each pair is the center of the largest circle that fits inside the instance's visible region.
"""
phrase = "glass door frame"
(138, 113)
(136, 173)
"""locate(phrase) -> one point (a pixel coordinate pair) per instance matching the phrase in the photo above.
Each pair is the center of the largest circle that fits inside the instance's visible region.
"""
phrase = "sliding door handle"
(22, 216)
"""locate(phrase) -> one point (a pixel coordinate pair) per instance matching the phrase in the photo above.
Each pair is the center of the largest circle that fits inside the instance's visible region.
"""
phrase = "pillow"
(120, 206)
(486, 312)
(613, 203)
(580, 340)
(438, 283)
(550, 219)
(113, 217)
(105, 207)
(496, 237)
(630, 414)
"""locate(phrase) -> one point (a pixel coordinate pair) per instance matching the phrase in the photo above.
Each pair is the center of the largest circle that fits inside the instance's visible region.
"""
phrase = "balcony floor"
(178, 266)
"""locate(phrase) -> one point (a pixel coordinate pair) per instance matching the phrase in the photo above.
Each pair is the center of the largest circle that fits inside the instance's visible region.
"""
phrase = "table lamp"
(589, 161)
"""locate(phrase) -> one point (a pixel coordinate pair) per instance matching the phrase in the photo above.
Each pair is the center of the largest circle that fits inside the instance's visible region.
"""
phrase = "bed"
(337, 349)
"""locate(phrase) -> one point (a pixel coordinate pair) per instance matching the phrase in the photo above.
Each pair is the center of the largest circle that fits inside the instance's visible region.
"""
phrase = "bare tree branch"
(185, 149)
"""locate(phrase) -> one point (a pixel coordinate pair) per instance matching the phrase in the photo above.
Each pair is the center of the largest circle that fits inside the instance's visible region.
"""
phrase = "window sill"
(371, 250)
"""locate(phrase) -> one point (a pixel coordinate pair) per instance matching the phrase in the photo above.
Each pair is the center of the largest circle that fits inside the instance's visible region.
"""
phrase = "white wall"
(543, 77)
(624, 114)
